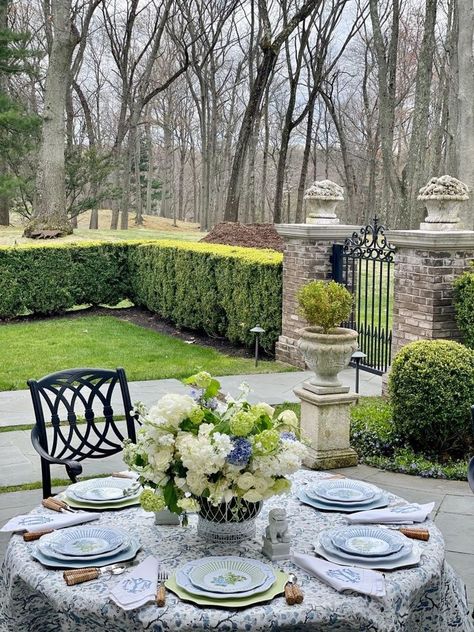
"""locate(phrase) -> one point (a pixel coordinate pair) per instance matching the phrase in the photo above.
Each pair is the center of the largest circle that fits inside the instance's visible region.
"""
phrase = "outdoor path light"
(357, 356)
(257, 330)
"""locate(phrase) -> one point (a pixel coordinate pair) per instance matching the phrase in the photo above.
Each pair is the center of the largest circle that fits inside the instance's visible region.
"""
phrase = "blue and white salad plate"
(343, 491)
(104, 490)
(122, 556)
(207, 570)
(327, 549)
(44, 546)
(367, 541)
(86, 541)
(323, 505)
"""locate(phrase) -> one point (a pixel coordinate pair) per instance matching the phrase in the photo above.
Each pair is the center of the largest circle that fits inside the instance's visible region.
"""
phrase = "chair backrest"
(70, 404)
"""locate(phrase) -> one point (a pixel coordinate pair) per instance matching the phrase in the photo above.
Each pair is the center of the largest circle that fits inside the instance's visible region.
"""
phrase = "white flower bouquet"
(204, 446)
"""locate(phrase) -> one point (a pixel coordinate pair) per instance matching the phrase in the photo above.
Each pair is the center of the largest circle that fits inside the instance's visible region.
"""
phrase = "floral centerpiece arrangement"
(206, 449)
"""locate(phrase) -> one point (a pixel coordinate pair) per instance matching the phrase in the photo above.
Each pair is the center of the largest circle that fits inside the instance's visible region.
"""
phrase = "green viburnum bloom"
(151, 501)
(201, 379)
(242, 423)
(196, 416)
(281, 485)
(266, 442)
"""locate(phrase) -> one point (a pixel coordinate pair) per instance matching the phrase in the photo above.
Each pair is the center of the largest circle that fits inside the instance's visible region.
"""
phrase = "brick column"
(426, 264)
(306, 258)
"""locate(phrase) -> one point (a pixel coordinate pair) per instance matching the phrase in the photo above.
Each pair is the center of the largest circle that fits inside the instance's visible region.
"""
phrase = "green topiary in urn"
(326, 346)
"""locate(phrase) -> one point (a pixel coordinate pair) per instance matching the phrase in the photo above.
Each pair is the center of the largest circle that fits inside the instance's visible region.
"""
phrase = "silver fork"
(161, 590)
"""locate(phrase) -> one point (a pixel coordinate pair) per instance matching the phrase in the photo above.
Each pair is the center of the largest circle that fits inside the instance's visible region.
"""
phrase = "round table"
(427, 597)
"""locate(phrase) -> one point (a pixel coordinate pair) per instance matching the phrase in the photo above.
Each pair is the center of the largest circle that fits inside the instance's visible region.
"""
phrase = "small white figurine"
(276, 542)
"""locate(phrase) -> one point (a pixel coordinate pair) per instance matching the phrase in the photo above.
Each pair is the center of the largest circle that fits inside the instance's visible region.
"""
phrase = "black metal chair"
(470, 467)
(65, 398)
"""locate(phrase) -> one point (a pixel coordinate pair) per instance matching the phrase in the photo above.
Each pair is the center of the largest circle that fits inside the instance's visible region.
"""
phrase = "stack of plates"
(342, 495)
(227, 581)
(367, 547)
(103, 493)
(84, 546)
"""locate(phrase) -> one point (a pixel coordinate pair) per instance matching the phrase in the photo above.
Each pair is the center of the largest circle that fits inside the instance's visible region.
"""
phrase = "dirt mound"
(248, 235)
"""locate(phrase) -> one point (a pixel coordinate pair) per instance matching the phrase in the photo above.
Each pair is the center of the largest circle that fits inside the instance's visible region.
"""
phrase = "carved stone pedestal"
(325, 422)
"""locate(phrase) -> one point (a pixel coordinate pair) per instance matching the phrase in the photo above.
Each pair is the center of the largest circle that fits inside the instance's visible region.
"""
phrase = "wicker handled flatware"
(161, 590)
(413, 533)
(81, 575)
(30, 536)
(55, 504)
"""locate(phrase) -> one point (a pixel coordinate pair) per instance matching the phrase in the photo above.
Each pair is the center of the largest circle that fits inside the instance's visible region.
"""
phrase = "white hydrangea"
(288, 418)
(188, 504)
(172, 409)
(265, 408)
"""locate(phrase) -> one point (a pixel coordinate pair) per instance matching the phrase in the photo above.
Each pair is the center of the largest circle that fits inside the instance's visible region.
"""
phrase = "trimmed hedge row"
(464, 305)
(222, 290)
(50, 279)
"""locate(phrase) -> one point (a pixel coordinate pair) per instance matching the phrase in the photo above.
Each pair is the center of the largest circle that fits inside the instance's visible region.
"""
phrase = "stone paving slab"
(274, 388)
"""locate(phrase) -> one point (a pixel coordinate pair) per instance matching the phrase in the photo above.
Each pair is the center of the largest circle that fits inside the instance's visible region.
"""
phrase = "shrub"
(464, 305)
(50, 279)
(431, 385)
(325, 304)
(224, 290)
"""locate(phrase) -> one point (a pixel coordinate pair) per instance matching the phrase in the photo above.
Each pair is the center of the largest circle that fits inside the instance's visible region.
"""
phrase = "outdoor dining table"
(428, 597)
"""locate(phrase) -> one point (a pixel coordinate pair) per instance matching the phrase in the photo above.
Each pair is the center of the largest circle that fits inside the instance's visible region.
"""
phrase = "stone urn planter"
(321, 201)
(327, 354)
(443, 197)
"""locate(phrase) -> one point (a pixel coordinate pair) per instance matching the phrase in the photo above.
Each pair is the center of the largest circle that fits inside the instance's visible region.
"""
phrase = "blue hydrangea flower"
(212, 403)
(289, 436)
(240, 453)
(197, 393)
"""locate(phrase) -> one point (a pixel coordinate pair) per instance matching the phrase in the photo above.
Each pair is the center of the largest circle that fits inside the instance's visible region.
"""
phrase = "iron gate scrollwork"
(364, 264)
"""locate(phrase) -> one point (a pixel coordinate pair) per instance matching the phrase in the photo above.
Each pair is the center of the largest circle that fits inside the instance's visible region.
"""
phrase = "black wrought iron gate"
(364, 264)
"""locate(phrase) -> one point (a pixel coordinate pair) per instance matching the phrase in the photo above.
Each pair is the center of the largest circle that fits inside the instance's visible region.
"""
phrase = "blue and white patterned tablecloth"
(429, 597)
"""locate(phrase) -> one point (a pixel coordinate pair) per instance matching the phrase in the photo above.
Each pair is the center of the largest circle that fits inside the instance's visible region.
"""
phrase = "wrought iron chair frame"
(58, 385)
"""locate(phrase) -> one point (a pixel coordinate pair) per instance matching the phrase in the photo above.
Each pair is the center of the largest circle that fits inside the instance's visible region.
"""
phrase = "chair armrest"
(73, 467)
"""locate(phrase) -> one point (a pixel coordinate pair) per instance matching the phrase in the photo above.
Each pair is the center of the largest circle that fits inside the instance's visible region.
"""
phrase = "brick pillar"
(426, 264)
(306, 258)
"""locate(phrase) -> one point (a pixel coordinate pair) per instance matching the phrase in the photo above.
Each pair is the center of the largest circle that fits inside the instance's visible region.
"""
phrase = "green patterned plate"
(129, 502)
(233, 602)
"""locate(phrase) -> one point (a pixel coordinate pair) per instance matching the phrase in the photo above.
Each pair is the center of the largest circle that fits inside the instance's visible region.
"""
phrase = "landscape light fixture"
(257, 330)
(357, 356)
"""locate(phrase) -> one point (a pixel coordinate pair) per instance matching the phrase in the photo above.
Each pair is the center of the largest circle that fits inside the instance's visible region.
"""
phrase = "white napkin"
(137, 587)
(361, 580)
(42, 521)
(400, 514)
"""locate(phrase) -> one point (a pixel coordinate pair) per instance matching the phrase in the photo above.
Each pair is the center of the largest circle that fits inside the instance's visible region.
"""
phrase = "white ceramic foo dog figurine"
(276, 542)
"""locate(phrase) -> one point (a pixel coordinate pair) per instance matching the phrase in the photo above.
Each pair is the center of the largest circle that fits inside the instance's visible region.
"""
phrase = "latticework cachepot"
(230, 522)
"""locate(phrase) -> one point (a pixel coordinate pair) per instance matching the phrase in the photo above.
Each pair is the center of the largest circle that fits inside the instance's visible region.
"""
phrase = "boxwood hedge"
(464, 305)
(222, 290)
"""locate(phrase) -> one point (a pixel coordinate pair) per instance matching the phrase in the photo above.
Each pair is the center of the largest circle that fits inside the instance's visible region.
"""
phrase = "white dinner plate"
(123, 556)
(45, 548)
(104, 490)
(330, 553)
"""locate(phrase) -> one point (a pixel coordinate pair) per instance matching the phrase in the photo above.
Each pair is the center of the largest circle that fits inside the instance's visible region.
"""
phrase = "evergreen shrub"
(50, 279)
(464, 305)
(431, 386)
(223, 290)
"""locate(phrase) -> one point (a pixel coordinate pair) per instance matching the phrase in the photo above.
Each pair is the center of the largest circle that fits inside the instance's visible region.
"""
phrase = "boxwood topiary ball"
(431, 386)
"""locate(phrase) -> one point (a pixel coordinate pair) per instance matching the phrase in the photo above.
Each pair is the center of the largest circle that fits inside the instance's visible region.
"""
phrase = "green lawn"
(37, 348)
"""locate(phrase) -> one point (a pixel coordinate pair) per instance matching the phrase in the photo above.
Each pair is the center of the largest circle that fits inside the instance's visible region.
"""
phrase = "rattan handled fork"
(161, 590)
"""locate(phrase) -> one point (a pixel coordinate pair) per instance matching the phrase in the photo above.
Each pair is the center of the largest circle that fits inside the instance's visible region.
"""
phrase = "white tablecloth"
(429, 597)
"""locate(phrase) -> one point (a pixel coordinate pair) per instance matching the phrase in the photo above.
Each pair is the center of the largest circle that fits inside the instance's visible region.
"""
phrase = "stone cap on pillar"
(316, 232)
(432, 240)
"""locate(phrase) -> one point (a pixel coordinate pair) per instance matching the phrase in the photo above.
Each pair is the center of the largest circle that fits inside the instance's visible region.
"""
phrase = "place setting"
(227, 582)
(101, 494)
(342, 495)
(367, 546)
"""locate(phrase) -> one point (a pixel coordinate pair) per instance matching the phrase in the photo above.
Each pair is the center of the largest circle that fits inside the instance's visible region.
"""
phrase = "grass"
(35, 349)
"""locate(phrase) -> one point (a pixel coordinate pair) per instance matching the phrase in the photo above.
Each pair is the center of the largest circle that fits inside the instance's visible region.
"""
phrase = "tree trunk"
(138, 184)
(465, 135)
(50, 211)
(299, 218)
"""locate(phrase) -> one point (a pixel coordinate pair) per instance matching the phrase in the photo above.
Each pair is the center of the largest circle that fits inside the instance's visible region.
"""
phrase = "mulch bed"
(247, 235)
